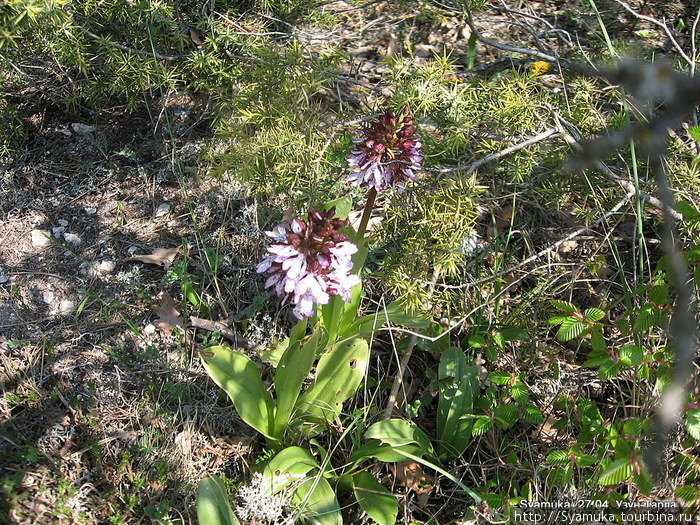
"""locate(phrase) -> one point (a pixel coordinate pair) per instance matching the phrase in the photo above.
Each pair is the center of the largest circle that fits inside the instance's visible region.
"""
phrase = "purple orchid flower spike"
(386, 155)
(310, 262)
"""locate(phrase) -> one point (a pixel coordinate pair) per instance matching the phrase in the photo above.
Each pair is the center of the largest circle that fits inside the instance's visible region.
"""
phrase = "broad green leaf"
(476, 341)
(319, 504)
(330, 315)
(293, 368)
(287, 468)
(692, 422)
(345, 323)
(458, 383)
(593, 314)
(394, 313)
(564, 306)
(498, 340)
(274, 354)
(375, 500)
(558, 457)
(343, 207)
(514, 333)
(213, 507)
(397, 432)
(240, 379)
(338, 374)
(617, 472)
(382, 452)
(570, 329)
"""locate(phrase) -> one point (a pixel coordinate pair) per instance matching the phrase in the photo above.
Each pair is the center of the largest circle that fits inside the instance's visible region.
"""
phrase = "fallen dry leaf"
(222, 328)
(412, 476)
(168, 314)
(160, 256)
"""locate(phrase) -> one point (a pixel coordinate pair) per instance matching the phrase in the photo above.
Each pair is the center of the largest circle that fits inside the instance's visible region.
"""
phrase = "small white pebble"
(66, 306)
(47, 296)
(149, 329)
(62, 222)
(41, 238)
(72, 238)
(91, 210)
(163, 209)
(58, 230)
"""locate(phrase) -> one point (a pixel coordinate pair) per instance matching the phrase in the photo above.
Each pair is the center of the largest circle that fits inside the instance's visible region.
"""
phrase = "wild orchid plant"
(314, 265)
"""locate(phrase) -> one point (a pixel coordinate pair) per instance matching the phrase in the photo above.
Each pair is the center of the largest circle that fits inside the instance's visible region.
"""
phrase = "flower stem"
(369, 205)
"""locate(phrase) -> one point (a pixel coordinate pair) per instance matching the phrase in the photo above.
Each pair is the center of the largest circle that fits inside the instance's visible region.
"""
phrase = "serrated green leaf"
(213, 507)
(506, 415)
(564, 306)
(558, 457)
(659, 295)
(597, 358)
(476, 341)
(593, 314)
(598, 341)
(690, 495)
(692, 422)
(500, 378)
(520, 393)
(240, 379)
(481, 425)
(694, 132)
(609, 369)
(558, 319)
(632, 428)
(631, 355)
(617, 472)
(570, 329)
(532, 414)
(643, 481)
(375, 500)
(498, 340)
(648, 316)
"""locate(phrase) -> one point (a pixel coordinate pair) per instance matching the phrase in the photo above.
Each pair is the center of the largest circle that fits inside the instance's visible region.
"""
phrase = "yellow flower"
(539, 68)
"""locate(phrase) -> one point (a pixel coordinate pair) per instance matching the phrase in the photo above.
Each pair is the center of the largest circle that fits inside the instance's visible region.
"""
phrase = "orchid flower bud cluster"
(310, 262)
(386, 155)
